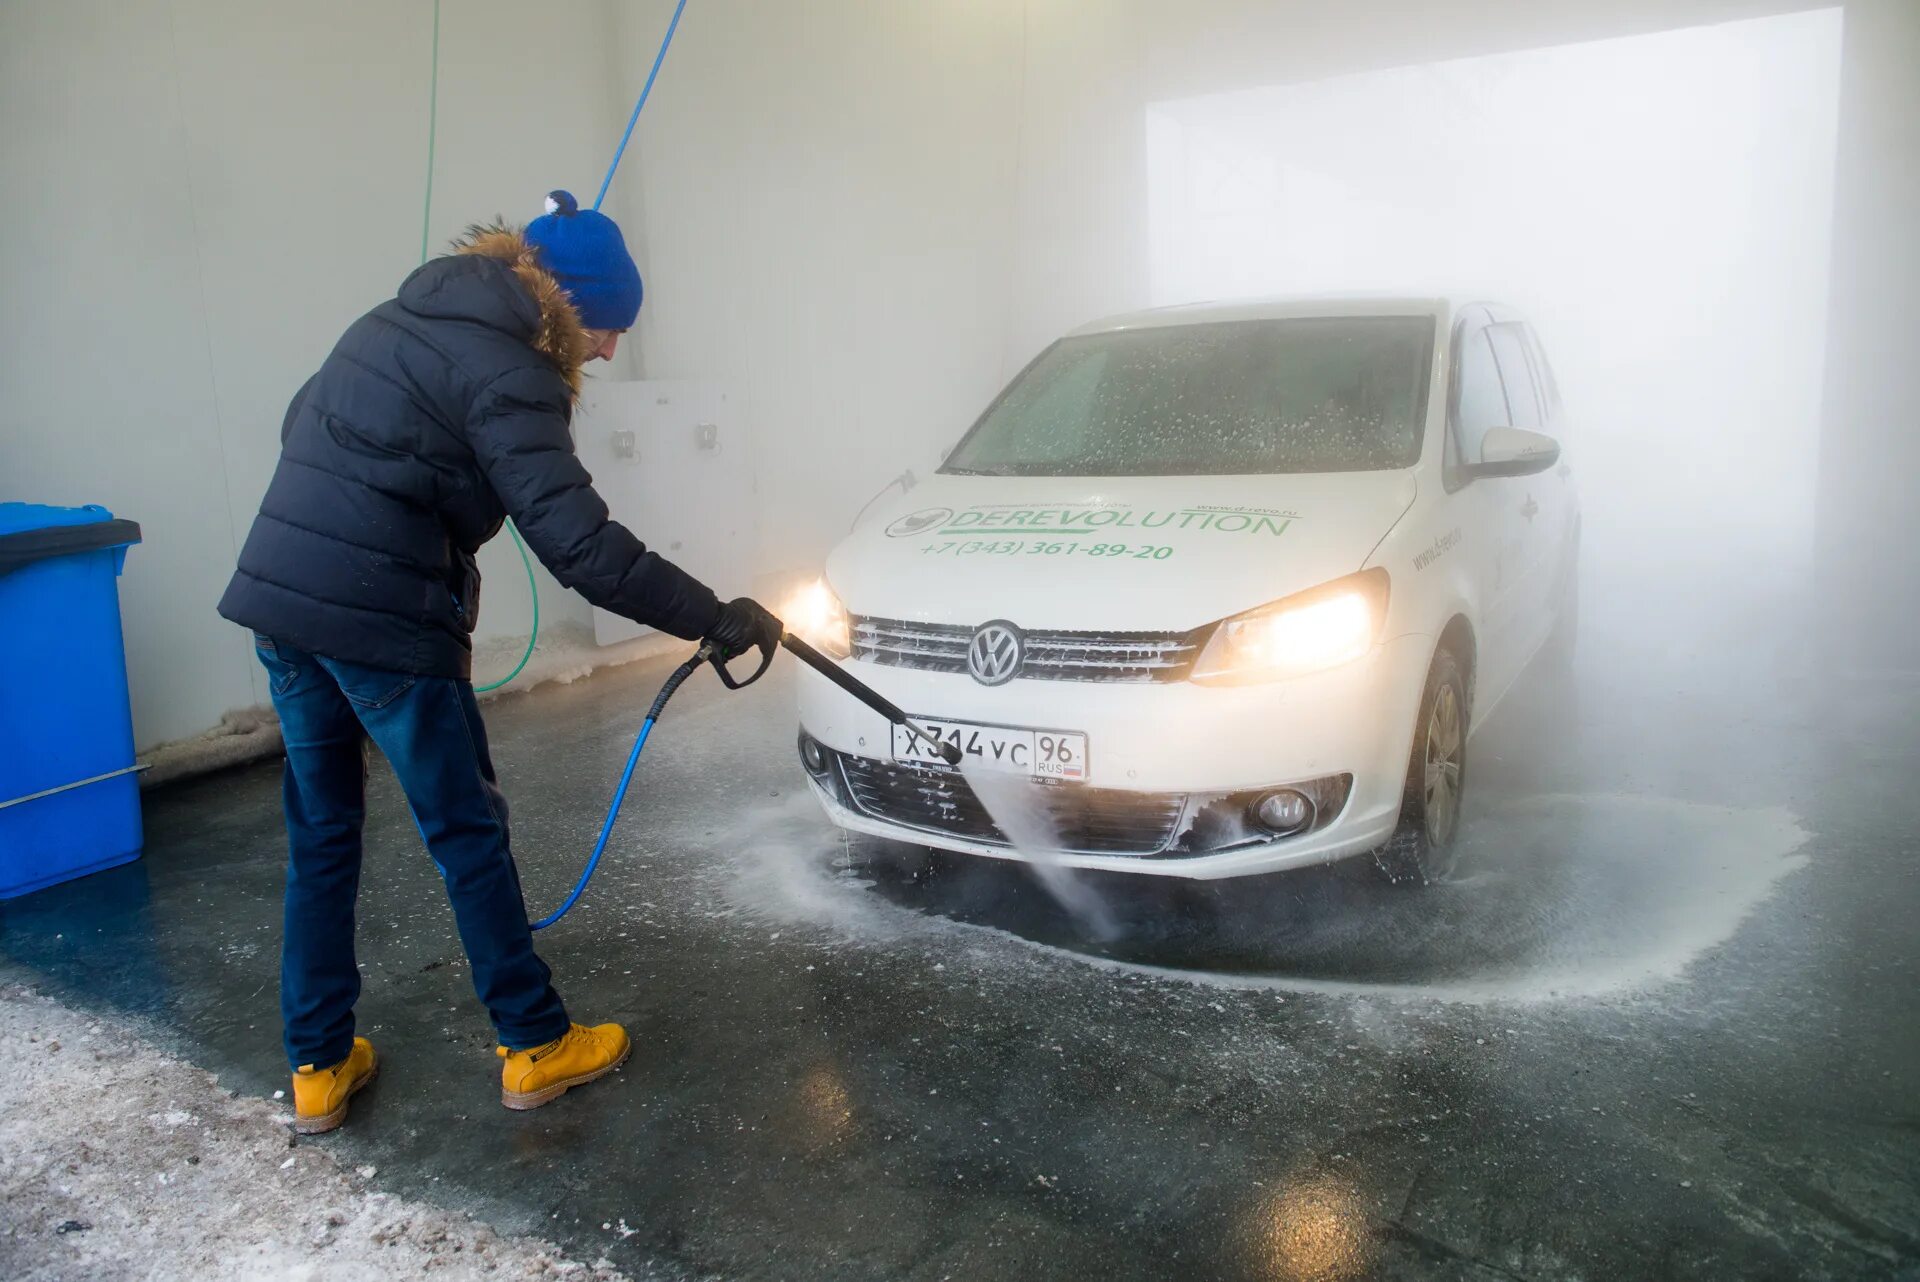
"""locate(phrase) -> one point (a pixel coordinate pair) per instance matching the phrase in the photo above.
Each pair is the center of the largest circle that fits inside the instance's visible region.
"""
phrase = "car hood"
(1112, 554)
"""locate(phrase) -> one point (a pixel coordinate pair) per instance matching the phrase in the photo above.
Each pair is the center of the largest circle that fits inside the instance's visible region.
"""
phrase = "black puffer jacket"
(438, 413)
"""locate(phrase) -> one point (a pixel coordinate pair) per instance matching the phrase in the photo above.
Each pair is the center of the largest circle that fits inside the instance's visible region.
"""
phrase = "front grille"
(937, 799)
(1049, 656)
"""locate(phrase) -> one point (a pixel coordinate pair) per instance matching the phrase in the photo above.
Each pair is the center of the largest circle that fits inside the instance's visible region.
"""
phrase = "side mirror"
(1515, 451)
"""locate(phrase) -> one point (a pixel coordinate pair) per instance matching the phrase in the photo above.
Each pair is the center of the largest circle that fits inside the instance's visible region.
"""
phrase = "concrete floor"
(1664, 1024)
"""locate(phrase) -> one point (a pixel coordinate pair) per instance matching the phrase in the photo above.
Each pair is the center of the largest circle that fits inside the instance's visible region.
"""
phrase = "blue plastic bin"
(69, 798)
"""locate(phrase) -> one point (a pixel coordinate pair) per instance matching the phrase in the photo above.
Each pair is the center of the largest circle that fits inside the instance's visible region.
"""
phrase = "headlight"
(815, 615)
(1322, 628)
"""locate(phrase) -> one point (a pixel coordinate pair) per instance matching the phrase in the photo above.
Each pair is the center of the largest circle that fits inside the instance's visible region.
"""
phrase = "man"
(437, 414)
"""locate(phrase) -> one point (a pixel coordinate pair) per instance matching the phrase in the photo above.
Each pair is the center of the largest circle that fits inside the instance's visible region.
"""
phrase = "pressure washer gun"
(947, 752)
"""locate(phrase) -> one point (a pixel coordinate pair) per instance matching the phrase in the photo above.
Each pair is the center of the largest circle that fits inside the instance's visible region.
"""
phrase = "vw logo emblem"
(995, 654)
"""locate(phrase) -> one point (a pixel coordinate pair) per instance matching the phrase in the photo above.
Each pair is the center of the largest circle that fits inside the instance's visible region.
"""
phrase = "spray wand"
(947, 752)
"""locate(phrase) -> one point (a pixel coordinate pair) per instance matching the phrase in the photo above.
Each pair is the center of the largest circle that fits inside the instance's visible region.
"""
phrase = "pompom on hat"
(585, 252)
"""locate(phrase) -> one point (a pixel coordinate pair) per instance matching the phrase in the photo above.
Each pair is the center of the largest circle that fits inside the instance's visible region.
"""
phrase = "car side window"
(1510, 353)
(1543, 377)
(1482, 401)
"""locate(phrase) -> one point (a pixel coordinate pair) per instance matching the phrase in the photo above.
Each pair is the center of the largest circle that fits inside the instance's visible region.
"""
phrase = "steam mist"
(1658, 206)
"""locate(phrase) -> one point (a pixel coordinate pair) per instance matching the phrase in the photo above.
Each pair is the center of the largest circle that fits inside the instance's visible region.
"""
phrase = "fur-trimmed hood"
(557, 332)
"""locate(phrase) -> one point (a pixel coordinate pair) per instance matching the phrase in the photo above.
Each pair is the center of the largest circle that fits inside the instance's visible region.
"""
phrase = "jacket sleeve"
(294, 407)
(518, 428)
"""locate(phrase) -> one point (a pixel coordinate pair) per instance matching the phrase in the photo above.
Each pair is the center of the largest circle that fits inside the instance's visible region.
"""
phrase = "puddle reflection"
(95, 935)
(1311, 1229)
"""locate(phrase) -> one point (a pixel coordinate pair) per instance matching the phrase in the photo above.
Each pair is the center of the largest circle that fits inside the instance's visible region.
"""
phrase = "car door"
(1559, 494)
(1492, 524)
(1534, 498)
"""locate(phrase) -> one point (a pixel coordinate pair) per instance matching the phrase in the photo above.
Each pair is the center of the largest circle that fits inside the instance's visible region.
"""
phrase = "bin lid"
(18, 517)
(32, 532)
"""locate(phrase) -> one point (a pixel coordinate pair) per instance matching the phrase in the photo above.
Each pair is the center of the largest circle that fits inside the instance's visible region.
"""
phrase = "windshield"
(1232, 398)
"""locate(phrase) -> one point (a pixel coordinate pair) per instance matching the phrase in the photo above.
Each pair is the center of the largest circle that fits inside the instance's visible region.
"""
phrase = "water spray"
(707, 653)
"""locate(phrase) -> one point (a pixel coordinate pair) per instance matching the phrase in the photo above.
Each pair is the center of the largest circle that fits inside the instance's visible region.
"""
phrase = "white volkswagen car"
(1231, 584)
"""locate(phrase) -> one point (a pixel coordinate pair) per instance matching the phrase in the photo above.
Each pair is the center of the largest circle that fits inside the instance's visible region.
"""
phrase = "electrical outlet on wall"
(687, 498)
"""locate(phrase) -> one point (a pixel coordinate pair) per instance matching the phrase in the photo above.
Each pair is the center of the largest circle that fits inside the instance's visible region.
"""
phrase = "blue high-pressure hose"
(680, 674)
(645, 89)
(685, 670)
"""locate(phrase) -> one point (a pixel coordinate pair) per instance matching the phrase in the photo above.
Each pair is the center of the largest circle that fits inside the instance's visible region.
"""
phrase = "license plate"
(1039, 754)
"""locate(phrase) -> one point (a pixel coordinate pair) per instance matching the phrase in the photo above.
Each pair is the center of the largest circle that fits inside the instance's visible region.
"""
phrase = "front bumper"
(1172, 739)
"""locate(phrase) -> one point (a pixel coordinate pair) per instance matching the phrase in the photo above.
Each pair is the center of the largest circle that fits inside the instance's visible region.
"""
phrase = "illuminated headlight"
(815, 615)
(1330, 625)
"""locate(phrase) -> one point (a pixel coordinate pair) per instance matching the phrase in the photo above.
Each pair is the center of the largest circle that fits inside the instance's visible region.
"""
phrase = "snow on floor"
(118, 1161)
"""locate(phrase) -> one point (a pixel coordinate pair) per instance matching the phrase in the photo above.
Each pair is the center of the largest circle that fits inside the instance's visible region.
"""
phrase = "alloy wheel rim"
(1444, 744)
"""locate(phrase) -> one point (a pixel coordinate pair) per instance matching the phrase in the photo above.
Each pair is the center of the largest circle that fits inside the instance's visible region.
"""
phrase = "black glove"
(744, 624)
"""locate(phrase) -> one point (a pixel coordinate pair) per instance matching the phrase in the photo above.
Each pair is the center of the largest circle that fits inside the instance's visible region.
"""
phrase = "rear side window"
(1549, 388)
(1482, 401)
(1516, 374)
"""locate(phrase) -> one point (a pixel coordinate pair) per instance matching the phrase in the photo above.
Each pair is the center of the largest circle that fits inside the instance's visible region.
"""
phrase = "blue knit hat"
(584, 250)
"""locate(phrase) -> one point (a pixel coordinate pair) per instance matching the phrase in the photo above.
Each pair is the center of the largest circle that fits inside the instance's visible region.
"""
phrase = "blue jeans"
(430, 731)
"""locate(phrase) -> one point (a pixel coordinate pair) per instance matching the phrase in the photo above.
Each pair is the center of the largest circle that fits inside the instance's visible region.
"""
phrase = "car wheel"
(1422, 849)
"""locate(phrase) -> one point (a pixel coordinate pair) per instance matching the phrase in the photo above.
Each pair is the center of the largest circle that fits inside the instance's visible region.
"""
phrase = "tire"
(1423, 848)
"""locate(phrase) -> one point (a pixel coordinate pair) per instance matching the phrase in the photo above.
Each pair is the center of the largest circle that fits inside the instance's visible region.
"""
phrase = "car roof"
(1295, 308)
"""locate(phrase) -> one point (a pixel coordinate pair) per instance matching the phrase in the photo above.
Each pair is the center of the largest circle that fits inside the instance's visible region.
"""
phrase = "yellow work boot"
(542, 1074)
(320, 1095)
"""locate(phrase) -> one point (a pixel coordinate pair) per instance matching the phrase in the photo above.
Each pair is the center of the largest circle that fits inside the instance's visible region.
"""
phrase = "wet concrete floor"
(1663, 1024)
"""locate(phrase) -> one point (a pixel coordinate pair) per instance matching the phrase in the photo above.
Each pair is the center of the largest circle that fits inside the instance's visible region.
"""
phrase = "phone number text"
(1041, 547)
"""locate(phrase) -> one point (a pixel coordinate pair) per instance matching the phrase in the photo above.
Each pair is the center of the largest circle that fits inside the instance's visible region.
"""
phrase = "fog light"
(1283, 812)
(812, 755)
